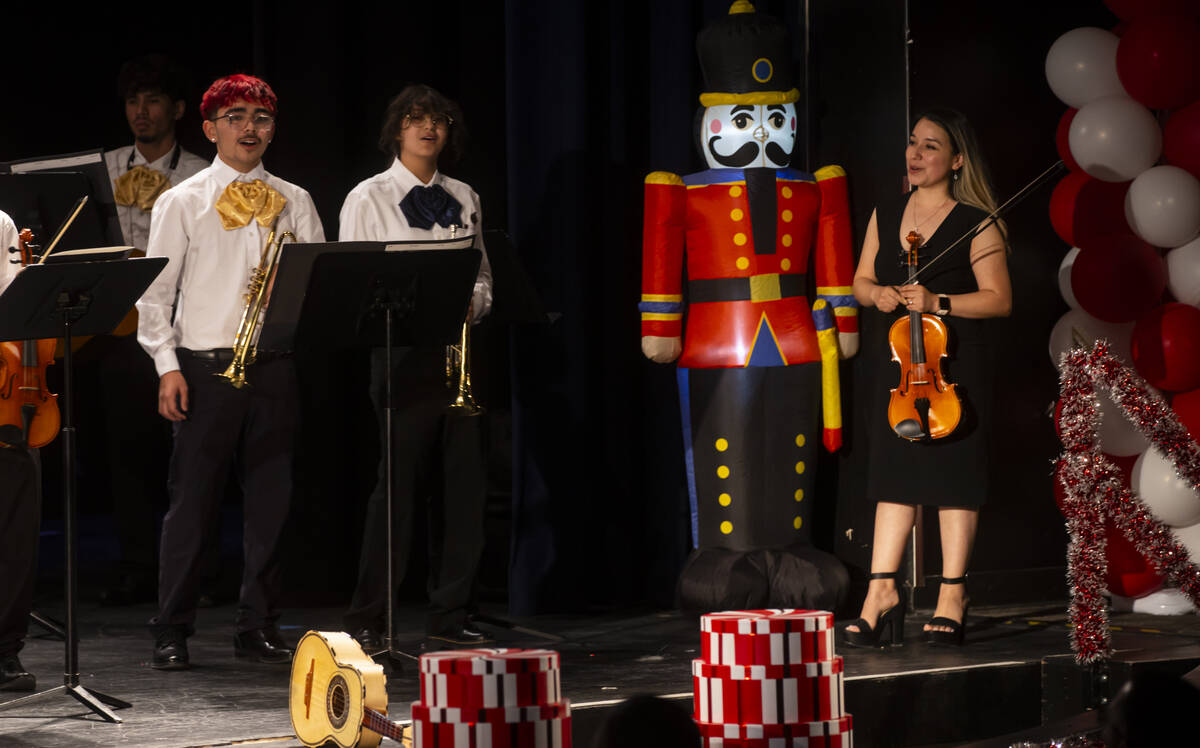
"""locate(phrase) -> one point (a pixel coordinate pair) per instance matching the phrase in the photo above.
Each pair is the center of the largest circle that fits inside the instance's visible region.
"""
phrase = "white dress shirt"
(8, 238)
(209, 267)
(372, 213)
(135, 223)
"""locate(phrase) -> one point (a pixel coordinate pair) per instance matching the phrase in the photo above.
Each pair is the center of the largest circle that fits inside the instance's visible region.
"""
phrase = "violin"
(924, 405)
(25, 402)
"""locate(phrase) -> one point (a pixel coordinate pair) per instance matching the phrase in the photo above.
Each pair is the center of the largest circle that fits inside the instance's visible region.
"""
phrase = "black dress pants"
(253, 431)
(438, 457)
(19, 517)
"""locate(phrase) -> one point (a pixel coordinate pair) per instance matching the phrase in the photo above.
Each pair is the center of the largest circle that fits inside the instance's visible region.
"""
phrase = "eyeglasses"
(260, 121)
(439, 121)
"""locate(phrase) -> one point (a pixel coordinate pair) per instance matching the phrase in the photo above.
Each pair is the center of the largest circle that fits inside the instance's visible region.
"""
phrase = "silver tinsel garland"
(1093, 489)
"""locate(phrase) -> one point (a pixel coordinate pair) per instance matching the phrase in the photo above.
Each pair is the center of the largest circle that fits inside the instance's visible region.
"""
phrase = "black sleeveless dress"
(952, 471)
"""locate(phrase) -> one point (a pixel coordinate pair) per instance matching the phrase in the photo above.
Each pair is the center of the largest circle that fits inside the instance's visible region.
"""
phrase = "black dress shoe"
(262, 645)
(369, 639)
(13, 676)
(170, 652)
(460, 636)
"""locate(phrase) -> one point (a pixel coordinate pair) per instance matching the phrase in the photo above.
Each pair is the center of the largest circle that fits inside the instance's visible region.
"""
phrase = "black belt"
(225, 355)
(740, 289)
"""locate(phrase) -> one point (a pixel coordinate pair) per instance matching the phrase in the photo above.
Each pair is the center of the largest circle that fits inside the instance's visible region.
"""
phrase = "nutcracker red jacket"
(747, 305)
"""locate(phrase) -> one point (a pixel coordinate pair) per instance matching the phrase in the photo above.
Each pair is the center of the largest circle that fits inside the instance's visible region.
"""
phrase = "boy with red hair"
(213, 228)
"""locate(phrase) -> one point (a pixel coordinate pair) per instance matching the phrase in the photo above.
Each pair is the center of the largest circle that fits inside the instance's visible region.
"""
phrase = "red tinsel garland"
(1093, 489)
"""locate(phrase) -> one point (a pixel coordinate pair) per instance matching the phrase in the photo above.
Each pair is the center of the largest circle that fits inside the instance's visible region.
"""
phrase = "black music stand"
(61, 300)
(363, 298)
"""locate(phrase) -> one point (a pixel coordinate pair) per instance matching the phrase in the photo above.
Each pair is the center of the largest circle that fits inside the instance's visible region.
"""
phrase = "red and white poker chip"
(770, 701)
(467, 691)
(553, 733)
(771, 621)
(496, 715)
(767, 649)
(845, 740)
(834, 665)
(489, 661)
(844, 725)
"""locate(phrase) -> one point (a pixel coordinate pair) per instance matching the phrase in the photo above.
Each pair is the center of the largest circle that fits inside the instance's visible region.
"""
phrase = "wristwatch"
(943, 305)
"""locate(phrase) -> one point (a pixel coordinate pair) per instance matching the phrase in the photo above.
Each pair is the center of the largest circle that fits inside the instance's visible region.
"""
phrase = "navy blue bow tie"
(425, 206)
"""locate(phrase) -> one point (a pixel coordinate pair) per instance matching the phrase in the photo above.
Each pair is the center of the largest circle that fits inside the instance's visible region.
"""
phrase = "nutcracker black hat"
(746, 59)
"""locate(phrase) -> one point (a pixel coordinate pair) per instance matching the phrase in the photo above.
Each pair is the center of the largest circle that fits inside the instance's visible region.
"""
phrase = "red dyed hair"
(231, 88)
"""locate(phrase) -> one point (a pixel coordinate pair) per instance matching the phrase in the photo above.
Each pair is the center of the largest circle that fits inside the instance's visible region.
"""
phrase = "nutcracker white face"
(737, 136)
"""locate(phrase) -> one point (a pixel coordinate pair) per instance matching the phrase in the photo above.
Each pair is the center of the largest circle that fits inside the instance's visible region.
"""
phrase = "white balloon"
(1077, 329)
(1115, 138)
(1183, 272)
(1064, 278)
(1171, 499)
(1163, 206)
(1118, 436)
(1190, 537)
(1081, 66)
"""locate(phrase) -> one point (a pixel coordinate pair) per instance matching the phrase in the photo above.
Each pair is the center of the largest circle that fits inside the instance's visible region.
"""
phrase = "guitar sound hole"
(337, 702)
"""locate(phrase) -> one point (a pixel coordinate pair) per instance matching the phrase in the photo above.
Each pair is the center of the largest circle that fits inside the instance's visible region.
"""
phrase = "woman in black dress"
(951, 197)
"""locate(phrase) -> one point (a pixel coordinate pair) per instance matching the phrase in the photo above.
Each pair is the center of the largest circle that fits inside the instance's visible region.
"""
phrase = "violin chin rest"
(910, 428)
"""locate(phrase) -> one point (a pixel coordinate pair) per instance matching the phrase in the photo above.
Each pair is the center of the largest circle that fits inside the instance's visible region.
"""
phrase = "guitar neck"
(373, 720)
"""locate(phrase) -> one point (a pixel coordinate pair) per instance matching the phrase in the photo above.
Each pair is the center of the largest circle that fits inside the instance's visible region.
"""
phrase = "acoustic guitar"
(338, 694)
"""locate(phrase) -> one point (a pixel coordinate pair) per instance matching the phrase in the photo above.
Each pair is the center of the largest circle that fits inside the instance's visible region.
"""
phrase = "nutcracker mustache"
(739, 158)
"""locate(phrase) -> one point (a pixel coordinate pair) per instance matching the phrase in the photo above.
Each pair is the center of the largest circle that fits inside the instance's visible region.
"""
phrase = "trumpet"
(245, 343)
(458, 374)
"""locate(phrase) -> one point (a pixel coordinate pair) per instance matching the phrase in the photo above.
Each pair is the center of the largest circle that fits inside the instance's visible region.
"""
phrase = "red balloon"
(1166, 346)
(1100, 212)
(1181, 139)
(1119, 278)
(1129, 574)
(1130, 10)
(1062, 138)
(1187, 406)
(1157, 60)
(1062, 205)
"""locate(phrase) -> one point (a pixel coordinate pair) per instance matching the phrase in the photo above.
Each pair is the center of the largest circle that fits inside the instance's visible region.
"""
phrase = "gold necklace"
(918, 224)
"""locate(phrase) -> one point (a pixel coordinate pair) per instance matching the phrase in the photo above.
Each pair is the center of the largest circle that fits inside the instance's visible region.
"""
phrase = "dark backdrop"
(569, 105)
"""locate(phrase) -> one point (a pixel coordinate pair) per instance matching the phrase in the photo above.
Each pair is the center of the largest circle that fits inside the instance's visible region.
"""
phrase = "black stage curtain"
(599, 497)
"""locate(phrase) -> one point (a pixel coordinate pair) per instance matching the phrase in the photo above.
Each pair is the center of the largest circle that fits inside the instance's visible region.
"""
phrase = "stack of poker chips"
(491, 698)
(770, 679)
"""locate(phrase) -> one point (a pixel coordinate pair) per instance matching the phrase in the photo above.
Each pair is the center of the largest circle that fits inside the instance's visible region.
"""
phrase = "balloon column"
(1130, 209)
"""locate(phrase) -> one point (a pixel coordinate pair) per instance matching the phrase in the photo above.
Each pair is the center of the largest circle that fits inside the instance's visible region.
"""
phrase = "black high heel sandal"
(958, 629)
(890, 621)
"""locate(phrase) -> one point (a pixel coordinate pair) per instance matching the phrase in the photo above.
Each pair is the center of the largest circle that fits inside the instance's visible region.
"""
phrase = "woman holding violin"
(912, 461)
(19, 510)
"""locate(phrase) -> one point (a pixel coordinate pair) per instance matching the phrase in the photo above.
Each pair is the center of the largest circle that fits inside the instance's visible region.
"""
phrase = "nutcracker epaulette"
(735, 176)
(663, 177)
(832, 171)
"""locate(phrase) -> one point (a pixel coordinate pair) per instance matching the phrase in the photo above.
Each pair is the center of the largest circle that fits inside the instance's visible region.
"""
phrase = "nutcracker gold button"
(725, 499)
(739, 239)
(735, 191)
(736, 214)
(726, 527)
(742, 263)
(786, 240)
(723, 471)
(785, 264)
(786, 191)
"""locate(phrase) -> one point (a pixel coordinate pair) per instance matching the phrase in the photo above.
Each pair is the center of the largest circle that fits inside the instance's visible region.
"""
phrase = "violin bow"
(994, 215)
(63, 229)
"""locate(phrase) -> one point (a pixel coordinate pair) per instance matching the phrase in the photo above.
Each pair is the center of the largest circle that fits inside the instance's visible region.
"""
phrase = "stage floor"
(224, 701)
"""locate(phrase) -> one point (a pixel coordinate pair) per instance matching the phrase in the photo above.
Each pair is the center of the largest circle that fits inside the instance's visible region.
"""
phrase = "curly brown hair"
(417, 98)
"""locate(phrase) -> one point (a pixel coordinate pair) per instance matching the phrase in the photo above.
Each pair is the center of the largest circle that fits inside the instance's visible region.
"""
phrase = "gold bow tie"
(242, 201)
(140, 186)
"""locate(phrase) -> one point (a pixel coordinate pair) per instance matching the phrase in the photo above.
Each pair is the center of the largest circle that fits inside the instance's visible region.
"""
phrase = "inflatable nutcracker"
(758, 363)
